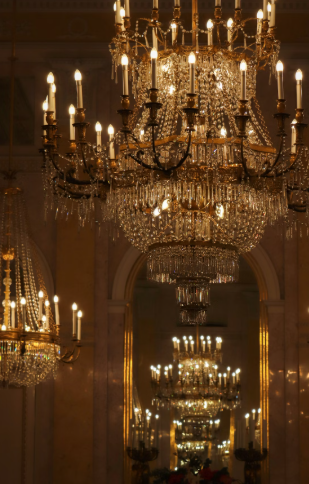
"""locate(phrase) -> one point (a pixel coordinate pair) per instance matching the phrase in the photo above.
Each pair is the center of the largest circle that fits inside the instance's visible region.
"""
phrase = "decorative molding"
(275, 307)
(117, 306)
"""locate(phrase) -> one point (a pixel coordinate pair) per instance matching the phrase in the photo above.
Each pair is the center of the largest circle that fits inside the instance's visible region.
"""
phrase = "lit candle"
(265, 13)
(243, 70)
(252, 431)
(220, 379)
(192, 73)
(125, 78)
(72, 121)
(254, 415)
(74, 309)
(23, 309)
(79, 325)
(273, 14)
(154, 38)
(156, 442)
(44, 321)
(209, 344)
(174, 32)
(186, 345)
(47, 313)
(299, 89)
(111, 131)
(218, 344)
(229, 32)
(293, 140)
(247, 416)
(122, 15)
(269, 12)
(79, 89)
(56, 300)
(118, 16)
(45, 108)
(115, 11)
(13, 305)
(279, 69)
(228, 372)
(170, 369)
(237, 4)
(209, 28)
(98, 128)
(238, 375)
(224, 380)
(50, 81)
(54, 98)
(142, 132)
(127, 7)
(259, 25)
(233, 378)
(41, 295)
(154, 56)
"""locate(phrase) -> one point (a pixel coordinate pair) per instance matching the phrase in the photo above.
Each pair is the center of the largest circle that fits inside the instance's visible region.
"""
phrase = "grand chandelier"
(194, 383)
(197, 178)
(194, 432)
(29, 332)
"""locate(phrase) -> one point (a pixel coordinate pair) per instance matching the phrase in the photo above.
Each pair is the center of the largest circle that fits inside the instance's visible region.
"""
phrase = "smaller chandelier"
(29, 335)
(195, 383)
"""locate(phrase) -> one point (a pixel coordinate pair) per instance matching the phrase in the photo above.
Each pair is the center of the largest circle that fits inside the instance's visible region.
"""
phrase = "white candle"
(56, 300)
(23, 309)
(155, 4)
(45, 108)
(269, 12)
(127, 7)
(98, 128)
(154, 56)
(13, 305)
(273, 14)
(125, 78)
(209, 28)
(209, 344)
(229, 32)
(72, 121)
(299, 89)
(74, 309)
(79, 89)
(122, 15)
(154, 38)
(177, 3)
(174, 32)
(237, 4)
(259, 25)
(47, 313)
(264, 434)
(41, 296)
(247, 416)
(233, 378)
(220, 379)
(293, 140)
(79, 325)
(111, 131)
(252, 431)
(192, 73)
(50, 81)
(279, 69)
(218, 3)
(243, 70)
(265, 13)
(218, 344)
(118, 16)
(54, 98)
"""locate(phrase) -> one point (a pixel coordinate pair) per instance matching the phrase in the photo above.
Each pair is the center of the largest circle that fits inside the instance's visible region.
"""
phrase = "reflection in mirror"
(196, 392)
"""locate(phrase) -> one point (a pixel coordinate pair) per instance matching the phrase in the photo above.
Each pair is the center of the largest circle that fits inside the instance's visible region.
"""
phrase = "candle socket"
(176, 13)
(125, 113)
(153, 107)
(218, 13)
(300, 126)
(242, 118)
(265, 27)
(127, 22)
(72, 147)
(281, 116)
(252, 459)
(237, 15)
(80, 125)
(155, 14)
(118, 29)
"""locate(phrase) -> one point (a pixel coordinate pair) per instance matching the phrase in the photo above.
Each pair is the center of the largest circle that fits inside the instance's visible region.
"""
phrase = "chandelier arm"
(76, 195)
(139, 161)
(297, 208)
(291, 165)
(57, 168)
(156, 158)
(243, 162)
(86, 168)
(183, 159)
(269, 170)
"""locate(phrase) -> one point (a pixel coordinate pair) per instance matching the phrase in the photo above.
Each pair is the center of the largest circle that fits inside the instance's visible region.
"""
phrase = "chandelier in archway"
(29, 329)
(194, 383)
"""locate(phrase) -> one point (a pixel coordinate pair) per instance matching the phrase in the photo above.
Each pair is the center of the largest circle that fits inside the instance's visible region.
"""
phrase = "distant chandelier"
(29, 334)
(195, 432)
(194, 384)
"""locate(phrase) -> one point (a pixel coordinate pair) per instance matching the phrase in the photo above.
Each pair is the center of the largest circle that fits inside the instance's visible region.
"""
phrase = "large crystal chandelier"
(29, 331)
(195, 384)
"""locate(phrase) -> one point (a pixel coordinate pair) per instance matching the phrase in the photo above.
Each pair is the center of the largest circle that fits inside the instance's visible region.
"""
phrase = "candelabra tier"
(29, 333)
(194, 383)
(252, 459)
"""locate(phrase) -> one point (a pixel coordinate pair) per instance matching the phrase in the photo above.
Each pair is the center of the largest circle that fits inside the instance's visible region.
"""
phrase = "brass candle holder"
(252, 459)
